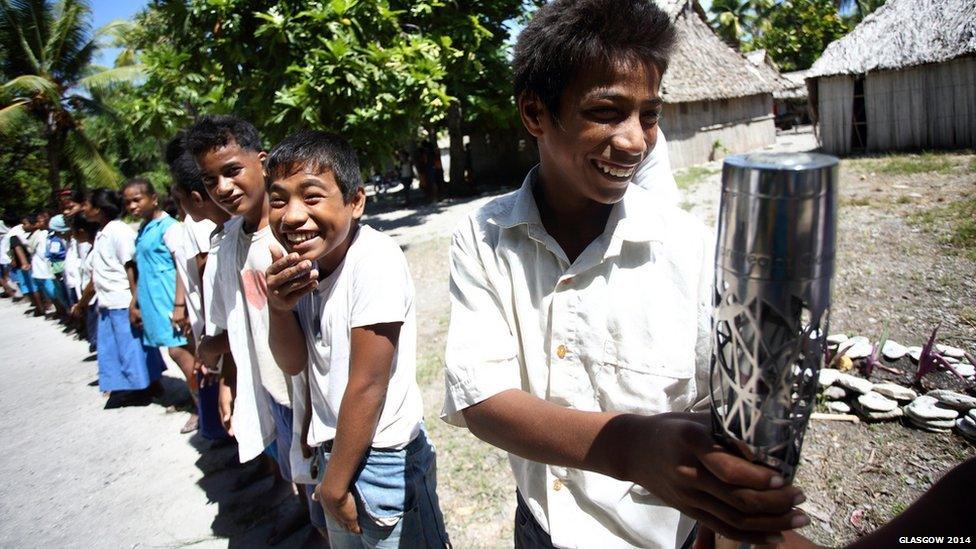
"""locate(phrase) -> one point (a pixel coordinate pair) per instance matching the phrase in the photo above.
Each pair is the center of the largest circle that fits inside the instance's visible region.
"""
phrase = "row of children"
(579, 332)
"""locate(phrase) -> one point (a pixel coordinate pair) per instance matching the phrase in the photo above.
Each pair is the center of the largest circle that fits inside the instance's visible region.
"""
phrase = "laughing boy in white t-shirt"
(342, 310)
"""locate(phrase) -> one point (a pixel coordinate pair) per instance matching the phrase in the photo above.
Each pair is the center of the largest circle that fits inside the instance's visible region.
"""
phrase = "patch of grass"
(857, 201)
(907, 164)
(429, 368)
(959, 220)
(693, 175)
(903, 199)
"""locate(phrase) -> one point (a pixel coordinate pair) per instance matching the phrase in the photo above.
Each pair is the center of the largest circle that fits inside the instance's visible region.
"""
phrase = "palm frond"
(13, 28)
(94, 106)
(13, 117)
(67, 36)
(104, 78)
(31, 85)
(85, 156)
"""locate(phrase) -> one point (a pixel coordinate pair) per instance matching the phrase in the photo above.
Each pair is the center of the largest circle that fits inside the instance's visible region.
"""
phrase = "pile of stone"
(855, 348)
(936, 411)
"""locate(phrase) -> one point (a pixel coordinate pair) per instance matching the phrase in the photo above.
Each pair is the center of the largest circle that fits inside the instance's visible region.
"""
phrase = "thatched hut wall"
(923, 107)
(835, 100)
(699, 131)
(930, 106)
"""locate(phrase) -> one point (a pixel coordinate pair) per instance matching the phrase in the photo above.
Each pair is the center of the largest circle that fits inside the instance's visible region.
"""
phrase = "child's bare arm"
(370, 362)
(288, 279)
(211, 348)
(86, 296)
(135, 316)
(180, 319)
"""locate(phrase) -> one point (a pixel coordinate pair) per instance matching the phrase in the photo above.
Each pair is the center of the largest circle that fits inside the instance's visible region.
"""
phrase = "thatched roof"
(903, 33)
(703, 67)
(796, 87)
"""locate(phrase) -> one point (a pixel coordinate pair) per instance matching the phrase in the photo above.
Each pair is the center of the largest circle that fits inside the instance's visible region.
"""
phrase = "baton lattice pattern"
(767, 357)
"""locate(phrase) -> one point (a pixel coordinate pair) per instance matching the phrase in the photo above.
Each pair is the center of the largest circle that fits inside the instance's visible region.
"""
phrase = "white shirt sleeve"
(382, 290)
(654, 173)
(173, 238)
(200, 232)
(703, 343)
(125, 243)
(213, 299)
(481, 359)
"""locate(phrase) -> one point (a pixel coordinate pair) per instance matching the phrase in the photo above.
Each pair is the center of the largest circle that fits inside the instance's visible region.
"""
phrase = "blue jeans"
(280, 450)
(396, 500)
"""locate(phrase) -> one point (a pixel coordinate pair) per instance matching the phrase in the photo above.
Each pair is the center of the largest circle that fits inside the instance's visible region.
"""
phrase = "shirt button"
(557, 485)
(561, 351)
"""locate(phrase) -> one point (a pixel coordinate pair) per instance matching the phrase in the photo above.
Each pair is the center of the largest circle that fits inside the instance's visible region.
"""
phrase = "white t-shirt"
(196, 241)
(240, 306)
(5, 258)
(371, 286)
(114, 247)
(37, 246)
(654, 173)
(19, 232)
(72, 265)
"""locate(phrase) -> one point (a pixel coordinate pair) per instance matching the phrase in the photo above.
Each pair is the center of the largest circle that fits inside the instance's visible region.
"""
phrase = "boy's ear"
(262, 158)
(197, 198)
(359, 203)
(532, 111)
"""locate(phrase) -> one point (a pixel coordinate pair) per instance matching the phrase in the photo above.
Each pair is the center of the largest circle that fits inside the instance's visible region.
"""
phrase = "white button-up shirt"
(625, 327)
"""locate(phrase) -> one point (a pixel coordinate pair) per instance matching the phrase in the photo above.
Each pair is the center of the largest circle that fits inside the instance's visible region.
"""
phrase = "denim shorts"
(396, 499)
(280, 451)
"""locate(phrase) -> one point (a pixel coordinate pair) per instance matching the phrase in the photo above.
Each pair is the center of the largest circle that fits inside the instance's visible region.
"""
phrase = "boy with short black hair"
(230, 156)
(353, 333)
(580, 326)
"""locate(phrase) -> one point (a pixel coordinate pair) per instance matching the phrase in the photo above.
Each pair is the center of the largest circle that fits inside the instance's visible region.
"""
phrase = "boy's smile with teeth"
(300, 236)
(613, 169)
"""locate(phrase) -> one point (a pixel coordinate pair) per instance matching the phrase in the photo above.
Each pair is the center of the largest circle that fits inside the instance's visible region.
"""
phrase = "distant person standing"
(124, 363)
(159, 241)
(406, 175)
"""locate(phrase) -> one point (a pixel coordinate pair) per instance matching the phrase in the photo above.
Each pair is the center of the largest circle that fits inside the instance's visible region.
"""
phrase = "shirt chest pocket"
(644, 378)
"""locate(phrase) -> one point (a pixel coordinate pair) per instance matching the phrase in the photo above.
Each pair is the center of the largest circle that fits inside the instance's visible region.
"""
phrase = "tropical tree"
(731, 19)
(46, 52)
(796, 32)
(348, 66)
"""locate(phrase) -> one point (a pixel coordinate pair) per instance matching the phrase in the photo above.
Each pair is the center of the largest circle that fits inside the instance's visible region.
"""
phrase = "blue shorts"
(280, 450)
(396, 500)
(24, 281)
(50, 288)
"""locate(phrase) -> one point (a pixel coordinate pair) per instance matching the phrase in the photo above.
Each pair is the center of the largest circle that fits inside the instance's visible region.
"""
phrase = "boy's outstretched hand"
(289, 278)
(675, 457)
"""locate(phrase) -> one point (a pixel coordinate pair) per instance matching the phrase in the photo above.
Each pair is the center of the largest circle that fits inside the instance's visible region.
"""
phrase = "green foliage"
(50, 85)
(796, 32)
(688, 178)
(23, 187)
(906, 164)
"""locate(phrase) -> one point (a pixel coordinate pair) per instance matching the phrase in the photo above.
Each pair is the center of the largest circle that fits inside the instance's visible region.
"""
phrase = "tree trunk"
(456, 135)
(54, 142)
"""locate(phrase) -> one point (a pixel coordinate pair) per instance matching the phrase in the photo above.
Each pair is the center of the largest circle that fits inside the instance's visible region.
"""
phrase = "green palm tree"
(731, 19)
(49, 81)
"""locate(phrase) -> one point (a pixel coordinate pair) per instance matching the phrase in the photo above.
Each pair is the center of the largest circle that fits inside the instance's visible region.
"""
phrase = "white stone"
(835, 393)
(856, 347)
(836, 338)
(965, 369)
(933, 426)
(954, 400)
(828, 376)
(915, 352)
(879, 416)
(892, 350)
(950, 360)
(854, 383)
(972, 415)
(967, 428)
(876, 403)
(838, 407)
(948, 350)
(928, 408)
(895, 391)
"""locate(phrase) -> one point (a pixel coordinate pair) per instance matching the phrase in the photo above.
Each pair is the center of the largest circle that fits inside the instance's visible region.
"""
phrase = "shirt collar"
(634, 219)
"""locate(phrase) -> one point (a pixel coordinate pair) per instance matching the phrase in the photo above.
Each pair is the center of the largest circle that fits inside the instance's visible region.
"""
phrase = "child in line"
(124, 363)
(579, 339)
(160, 237)
(21, 263)
(41, 270)
(83, 233)
(342, 311)
(230, 156)
(71, 202)
(56, 250)
(200, 223)
(10, 278)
